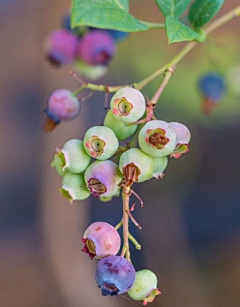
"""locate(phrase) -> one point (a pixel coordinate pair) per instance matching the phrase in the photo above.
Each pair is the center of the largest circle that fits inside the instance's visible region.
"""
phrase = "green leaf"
(202, 11)
(178, 31)
(174, 8)
(105, 14)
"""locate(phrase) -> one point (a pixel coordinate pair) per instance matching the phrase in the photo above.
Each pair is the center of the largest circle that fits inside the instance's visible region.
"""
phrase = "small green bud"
(202, 35)
(120, 129)
(74, 187)
(76, 159)
(58, 163)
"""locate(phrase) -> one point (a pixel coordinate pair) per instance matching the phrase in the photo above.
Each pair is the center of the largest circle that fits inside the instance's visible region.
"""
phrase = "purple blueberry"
(212, 87)
(114, 275)
(118, 35)
(61, 47)
(97, 47)
(62, 105)
(100, 240)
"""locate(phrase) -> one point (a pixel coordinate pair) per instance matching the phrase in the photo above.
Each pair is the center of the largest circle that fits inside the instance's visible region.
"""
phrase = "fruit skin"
(114, 275)
(143, 162)
(104, 240)
(103, 178)
(119, 128)
(145, 287)
(128, 105)
(76, 159)
(212, 85)
(97, 47)
(159, 166)
(152, 130)
(61, 47)
(183, 139)
(62, 105)
(100, 142)
(73, 187)
(118, 36)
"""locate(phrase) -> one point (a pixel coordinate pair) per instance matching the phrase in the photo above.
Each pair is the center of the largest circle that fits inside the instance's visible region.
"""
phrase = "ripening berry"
(159, 166)
(100, 142)
(90, 72)
(183, 139)
(114, 275)
(233, 80)
(145, 287)
(119, 128)
(103, 178)
(212, 87)
(74, 187)
(61, 47)
(97, 47)
(118, 35)
(75, 157)
(157, 139)
(62, 105)
(101, 240)
(128, 105)
(135, 166)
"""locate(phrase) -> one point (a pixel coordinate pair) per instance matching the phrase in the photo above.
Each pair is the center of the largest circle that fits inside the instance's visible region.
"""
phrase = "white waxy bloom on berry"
(183, 139)
(74, 187)
(159, 166)
(128, 105)
(157, 139)
(103, 178)
(135, 166)
(100, 142)
(75, 157)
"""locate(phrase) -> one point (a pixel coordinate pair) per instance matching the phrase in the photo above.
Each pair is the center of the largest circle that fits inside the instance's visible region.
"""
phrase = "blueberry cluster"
(89, 48)
(104, 179)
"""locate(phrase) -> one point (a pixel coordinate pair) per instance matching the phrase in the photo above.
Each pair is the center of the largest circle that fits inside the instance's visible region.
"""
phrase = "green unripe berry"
(74, 187)
(128, 105)
(135, 166)
(157, 139)
(145, 287)
(159, 166)
(120, 129)
(100, 142)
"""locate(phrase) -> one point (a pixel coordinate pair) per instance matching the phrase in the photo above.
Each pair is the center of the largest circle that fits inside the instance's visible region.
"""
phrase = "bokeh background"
(191, 219)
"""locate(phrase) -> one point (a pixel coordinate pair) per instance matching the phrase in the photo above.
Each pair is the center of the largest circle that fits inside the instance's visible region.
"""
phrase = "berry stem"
(125, 220)
(153, 25)
(134, 241)
(119, 225)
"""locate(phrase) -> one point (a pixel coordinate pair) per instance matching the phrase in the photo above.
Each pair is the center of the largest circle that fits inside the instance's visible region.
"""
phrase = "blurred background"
(191, 219)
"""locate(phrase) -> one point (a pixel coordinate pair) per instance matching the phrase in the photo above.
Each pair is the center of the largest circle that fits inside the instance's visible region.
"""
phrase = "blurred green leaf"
(202, 11)
(105, 14)
(174, 8)
(178, 31)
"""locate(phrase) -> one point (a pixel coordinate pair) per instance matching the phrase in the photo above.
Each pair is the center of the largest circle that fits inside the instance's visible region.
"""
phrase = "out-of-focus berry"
(145, 287)
(135, 166)
(74, 187)
(90, 72)
(103, 178)
(128, 105)
(101, 240)
(62, 105)
(183, 139)
(100, 142)
(157, 139)
(120, 129)
(97, 47)
(61, 47)
(118, 35)
(75, 157)
(212, 87)
(159, 166)
(114, 275)
(233, 80)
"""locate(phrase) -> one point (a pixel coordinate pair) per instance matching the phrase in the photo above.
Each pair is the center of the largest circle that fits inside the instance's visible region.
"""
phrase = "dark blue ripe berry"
(114, 275)
(118, 35)
(213, 87)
